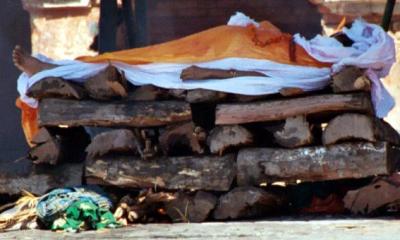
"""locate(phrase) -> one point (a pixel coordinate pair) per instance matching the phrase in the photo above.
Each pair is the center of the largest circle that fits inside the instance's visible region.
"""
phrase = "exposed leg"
(28, 64)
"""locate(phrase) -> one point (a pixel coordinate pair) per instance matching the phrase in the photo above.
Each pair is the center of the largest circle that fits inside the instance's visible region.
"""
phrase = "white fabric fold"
(373, 50)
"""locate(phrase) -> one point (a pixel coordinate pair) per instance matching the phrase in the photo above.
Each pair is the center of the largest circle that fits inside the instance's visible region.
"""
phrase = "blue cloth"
(52, 205)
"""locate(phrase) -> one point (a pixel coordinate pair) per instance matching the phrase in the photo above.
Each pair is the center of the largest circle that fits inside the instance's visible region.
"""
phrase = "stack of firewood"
(214, 154)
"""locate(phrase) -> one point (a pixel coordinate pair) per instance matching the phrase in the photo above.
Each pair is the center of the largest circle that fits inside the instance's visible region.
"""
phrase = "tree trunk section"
(222, 138)
(247, 202)
(359, 127)
(187, 208)
(296, 132)
(350, 79)
(53, 87)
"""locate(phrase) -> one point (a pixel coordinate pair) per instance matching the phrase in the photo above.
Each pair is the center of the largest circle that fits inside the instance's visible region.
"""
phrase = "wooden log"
(222, 138)
(147, 93)
(296, 132)
(203, 95)
(188, 208)
(348, 160)
(282, 109)
(54, 112)
(114, 141)
(350, 79)
(54, 145)
(196, 173)
(53, 87)
(184, 139)
(49, 152)
(41, 179)
(142, 207)
(107, 84)
(353, 126)
(247, 202)
(291, 91)
(371, 198)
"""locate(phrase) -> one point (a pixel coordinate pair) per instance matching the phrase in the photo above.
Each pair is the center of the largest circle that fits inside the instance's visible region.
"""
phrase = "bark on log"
(296, 132)
(247, 202)
(107, 84)
(114, 141)
(187, 208)
(359, 127)
(349, 160)
(369, 199)
(196, 173)
(54, 112)
(350, 79)
(147, 93)
(42, 179)
(182, 139)
(56, 145)
(53, 87)
(202, 95)
(223, 138)
(291, 91)
(282, 109)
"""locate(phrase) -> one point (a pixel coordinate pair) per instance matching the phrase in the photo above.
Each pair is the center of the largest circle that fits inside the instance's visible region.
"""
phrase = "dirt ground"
(343, 229)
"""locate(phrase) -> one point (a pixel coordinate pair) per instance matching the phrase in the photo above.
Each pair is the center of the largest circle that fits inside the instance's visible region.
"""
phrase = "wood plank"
(54, 112)
(351, 126)
(347, 160)
(281, 109)
(195, 173)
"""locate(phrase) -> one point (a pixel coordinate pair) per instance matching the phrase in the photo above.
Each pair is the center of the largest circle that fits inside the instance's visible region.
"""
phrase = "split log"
(203, 95)
(187, 208)
(223, 138)
(56, 145)
(107, 84)
(296, 132)
(291, 91)
(192, 173)
(47, 152)
(142, 207)
(359, 127)
(348, 160)
(147, 93)
(115, 141)
(178, 93)
(53, 87)
(282, 109)
(42, 179)
(54, 112)
(247, 202)
(182, 139)
(350, 79)
(371, 198)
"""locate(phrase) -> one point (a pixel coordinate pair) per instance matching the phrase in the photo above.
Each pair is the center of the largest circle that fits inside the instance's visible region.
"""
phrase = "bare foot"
(28, 64)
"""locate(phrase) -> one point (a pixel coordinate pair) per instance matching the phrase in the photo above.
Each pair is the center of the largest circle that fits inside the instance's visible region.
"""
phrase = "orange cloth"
(264, 42)
(28, 120)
